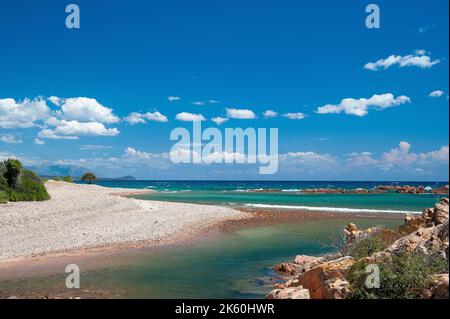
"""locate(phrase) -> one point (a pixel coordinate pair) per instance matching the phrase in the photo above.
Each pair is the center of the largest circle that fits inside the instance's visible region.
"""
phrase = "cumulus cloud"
(294, 116)
(22, 114)
(133, 153)
(441, 155)
(198, 103)
(141, 118)
(418, 59)
(219, 120)
(241, 114)
(189, 117)
(173, 98)
(400, 155)
(9, 139)
(86, 109)
(437, 93)
(39, 142)
(73, 117)
(270, 114)
(360, 107)
(70, 130)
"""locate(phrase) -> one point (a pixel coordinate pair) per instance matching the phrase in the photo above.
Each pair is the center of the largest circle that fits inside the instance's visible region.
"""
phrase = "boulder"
(319, 280)
(287, 268)
(438, 287)
(289, 293)
(423, 240)
(441, 212)
(337, 288)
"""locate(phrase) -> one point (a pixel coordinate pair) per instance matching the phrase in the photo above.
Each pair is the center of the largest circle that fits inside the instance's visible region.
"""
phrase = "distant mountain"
(59, 170)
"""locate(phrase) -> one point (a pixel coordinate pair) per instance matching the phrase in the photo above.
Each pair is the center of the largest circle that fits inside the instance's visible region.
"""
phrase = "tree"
(13, 169)
(88, 177)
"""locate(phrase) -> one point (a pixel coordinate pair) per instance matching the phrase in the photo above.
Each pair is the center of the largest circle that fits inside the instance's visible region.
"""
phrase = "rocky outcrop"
(438, 288)
(353, 234)
(324, 281)
(325, 277)
(289, 293)
(406, 189)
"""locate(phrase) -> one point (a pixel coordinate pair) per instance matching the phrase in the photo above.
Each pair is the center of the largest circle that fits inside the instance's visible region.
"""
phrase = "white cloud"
(55, 100)
(294, 116)
(94, 147)
(437, 93)
(421, 52)
(219, 120)
(39, 142)
(50, 134)
(10, 139)
(213, 101)
(141, 118)
(400, 155)
(359, 107)
(22, 114)
(189, 117)
(270, 114)
(242, 114)
(419, 59)
(133, 153)
(198, 103)
(70, 130)
(441, 155)
(86, 110)
(135, 118)
(173, 98)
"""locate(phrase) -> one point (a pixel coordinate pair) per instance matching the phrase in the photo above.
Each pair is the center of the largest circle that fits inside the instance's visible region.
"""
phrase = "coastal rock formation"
(326, 280)
(325, 277)
(289, 293)
(406, 189)
(353, 234)
(438, 288)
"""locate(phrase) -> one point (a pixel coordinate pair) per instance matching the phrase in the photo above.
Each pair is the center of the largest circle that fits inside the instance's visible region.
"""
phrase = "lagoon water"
(231, 265)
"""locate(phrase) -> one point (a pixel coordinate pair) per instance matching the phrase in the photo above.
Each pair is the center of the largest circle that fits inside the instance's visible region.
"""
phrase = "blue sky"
(287, 56)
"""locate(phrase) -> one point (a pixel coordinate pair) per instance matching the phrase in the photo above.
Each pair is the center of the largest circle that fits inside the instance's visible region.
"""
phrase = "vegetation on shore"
(19, 184)
(89, 177)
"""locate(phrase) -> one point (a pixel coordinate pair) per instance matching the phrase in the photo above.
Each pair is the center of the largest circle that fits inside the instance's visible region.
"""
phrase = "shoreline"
(89, 217)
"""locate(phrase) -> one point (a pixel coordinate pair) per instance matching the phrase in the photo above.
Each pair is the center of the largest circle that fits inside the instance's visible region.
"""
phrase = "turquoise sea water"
(242, 194)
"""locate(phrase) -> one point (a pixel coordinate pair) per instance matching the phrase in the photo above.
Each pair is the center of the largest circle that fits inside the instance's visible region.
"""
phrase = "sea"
(287, 195)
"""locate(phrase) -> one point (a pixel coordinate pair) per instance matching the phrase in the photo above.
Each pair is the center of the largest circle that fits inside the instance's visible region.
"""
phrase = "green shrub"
(4, 197)
(29, 188)
(380, 241)
(67, 179)
(88, 177)
(13, 169)
(403, 277)
(3, 184)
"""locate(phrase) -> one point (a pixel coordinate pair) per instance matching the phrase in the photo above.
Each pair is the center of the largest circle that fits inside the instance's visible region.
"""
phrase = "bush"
(67, 179)
(88, 177)
(13, 169)
(29, 188)
(4, 197)
(17, 184)
(403, 277)
(380, 241)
